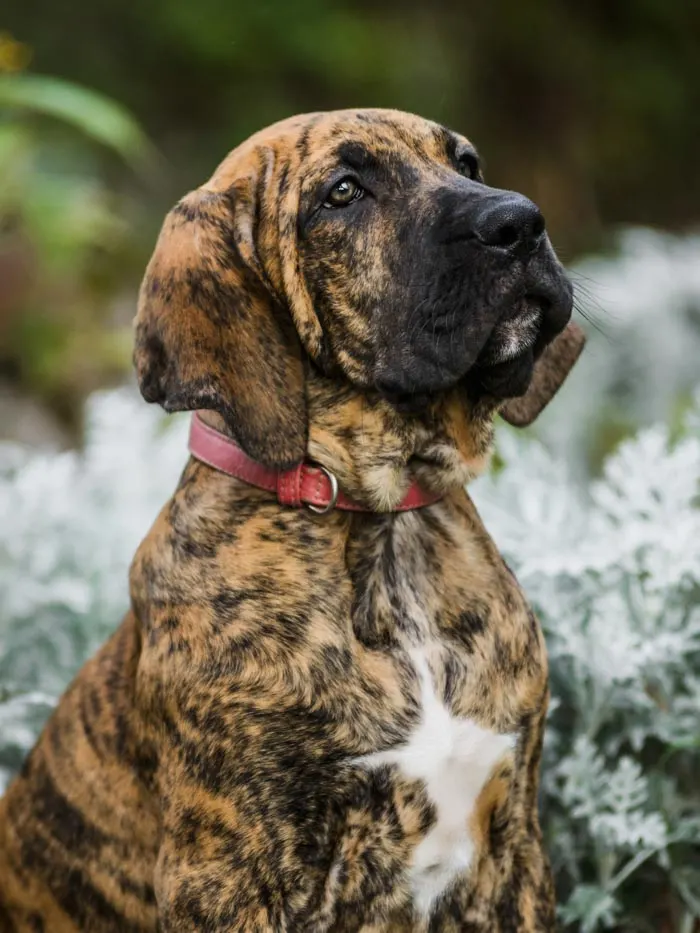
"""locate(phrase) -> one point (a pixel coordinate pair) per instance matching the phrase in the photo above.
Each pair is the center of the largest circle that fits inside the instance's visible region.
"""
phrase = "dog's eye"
(468, 165)
(343, 192)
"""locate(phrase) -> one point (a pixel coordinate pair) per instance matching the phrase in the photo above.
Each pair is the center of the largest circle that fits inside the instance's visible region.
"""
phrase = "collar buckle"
(335, 491)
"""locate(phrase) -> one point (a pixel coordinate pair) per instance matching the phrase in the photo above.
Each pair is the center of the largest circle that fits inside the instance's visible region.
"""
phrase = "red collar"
(313, 486)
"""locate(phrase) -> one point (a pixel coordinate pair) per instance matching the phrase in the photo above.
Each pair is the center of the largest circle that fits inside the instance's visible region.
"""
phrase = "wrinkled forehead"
(317, 142)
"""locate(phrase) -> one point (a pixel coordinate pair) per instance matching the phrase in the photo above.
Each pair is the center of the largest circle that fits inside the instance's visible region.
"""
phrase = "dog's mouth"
(517, 333)
(505, 366)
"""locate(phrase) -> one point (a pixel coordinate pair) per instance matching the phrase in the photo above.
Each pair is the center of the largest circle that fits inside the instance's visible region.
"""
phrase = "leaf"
(97, 116)
(592, 907)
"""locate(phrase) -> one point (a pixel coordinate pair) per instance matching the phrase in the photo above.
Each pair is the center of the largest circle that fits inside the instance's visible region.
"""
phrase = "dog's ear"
(551, 370)
(210, 333)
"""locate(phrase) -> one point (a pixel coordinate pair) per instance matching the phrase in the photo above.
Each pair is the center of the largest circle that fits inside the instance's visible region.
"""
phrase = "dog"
(324, 710)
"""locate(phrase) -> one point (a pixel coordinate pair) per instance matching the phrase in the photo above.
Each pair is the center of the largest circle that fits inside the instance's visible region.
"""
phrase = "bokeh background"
(110, 111)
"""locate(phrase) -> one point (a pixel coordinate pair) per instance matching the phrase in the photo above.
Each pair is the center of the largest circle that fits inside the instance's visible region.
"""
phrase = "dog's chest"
(458, 628)
(453, 757)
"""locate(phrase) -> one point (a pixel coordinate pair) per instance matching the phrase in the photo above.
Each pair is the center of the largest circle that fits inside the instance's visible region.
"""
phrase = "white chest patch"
(454, 758)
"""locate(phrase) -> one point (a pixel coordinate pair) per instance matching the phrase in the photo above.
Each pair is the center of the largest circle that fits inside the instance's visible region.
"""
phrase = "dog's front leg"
(208, 879)
(219, 865)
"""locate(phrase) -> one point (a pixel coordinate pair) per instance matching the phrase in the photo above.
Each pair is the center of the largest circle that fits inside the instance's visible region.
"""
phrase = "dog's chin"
(409, 403)
(498, 374)
(503, 368)
(412, 390)
(497, 381)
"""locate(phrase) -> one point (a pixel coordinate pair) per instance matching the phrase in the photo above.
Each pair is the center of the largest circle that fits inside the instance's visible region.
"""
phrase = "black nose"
(510, 221)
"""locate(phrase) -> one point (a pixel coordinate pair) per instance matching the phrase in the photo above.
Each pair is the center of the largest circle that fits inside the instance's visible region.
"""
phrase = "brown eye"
(343, 192)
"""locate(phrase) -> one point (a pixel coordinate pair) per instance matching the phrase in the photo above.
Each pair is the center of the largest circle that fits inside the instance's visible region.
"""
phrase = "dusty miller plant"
(613, 570)
(614, 573)
(69, 525)
(640, 364)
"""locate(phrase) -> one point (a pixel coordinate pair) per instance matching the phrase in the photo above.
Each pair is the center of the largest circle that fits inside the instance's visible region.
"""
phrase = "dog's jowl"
(324, 709)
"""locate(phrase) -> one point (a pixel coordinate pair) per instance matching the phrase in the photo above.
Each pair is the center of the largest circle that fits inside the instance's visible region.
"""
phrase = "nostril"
(507, 235)
(538, 225)
(515, 224)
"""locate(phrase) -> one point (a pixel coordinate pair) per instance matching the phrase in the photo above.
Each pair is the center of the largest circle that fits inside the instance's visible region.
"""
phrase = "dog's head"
(367, 244)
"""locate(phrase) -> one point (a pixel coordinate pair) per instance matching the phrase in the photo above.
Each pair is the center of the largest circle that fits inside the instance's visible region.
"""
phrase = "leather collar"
(308, 484)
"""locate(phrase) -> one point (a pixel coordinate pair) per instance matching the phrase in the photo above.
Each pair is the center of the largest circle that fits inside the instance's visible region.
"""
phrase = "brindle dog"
(317, 723)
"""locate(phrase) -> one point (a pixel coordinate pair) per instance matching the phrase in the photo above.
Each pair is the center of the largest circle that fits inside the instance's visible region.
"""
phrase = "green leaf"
(590, 906)
(98, 117)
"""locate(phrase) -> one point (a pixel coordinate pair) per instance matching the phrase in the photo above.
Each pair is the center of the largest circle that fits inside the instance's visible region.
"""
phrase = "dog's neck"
(376, 452)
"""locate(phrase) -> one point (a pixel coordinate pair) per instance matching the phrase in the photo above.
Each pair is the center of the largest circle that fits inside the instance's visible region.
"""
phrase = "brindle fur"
(198, 774)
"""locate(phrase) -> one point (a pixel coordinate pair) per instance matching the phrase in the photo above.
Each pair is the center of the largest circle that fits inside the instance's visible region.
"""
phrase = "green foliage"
(64, 236)
(98, 117)
(591, 108)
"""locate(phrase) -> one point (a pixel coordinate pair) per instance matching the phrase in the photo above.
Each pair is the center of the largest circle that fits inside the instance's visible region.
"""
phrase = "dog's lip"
(518, 331)
(505, 365)
(542, 309)
(516, 334)
(507, 379)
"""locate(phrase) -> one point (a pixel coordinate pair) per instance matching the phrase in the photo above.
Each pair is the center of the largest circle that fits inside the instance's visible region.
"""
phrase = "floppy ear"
(210, 334)
(551, 370)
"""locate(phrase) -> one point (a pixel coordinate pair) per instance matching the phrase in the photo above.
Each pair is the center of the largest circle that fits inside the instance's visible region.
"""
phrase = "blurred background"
(111, 111)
